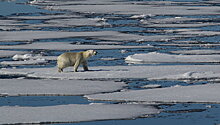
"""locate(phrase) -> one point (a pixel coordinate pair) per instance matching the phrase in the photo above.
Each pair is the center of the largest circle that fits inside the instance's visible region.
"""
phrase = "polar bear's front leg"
(76, 65)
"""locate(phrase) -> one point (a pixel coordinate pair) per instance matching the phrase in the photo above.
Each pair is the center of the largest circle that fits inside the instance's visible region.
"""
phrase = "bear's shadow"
(97, 70)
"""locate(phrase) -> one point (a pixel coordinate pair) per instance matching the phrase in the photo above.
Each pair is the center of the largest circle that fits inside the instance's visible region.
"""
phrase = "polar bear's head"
(91, 52)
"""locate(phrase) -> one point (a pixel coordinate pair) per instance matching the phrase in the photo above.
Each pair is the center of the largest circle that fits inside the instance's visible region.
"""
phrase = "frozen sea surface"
(157, 62)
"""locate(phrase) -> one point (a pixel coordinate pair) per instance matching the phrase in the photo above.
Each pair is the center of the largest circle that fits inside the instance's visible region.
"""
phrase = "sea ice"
(182, 25)
(35, 35)
(9, 53)
(68, 46)
(71, 23)
(72, 113)
(25, 62)
(173, 72)
(154, 57)
(18, 87)
(45, 17)
(28, 59)
(195, 94)
(197, 52)
(173, 20)
(126, 7)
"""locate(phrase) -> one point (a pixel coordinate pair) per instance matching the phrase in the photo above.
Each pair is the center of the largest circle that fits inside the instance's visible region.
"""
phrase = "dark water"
(35, 101)
(173, 114)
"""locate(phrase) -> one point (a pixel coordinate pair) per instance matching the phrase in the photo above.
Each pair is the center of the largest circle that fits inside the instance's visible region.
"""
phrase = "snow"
(154, 57)
(23, 87)
(34, 35)
(197, 52)
(200, 33)
(194, 94)
(182, 25)
(72, 113)
(23, 36)
(45, 17)
(173, 72)
(25, 62)
(8, 53)
(28, 59)
(72, 22)
(67, 46)
(33, 57)
(150, 86)
(126, 7)
(173, 20)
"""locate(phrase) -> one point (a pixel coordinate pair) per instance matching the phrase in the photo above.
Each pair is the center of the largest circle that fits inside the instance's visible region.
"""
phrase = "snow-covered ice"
(194, 94)
(26, 62)
(72, 113)
(28, 59)
(68, 46)
(182, 25)
(18, 87)
(155, 57)
(150, 86)
(9, 53)
(126, 7)
(72, 22)
(173, 72)
(35, 35)
(197, 52)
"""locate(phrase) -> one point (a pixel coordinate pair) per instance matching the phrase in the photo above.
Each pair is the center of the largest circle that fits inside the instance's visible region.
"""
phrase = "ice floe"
(45, 17)
(32, 57)
(72, 113)
(173, 20)
(24, 87)
(197, 94)
(28, 59)
(197, 52)
(182, 25)
(201, 33)
(154, 57)
(150, 86)
(36, 35)
(72, 22)
(8, 53)
(172, 72)
(25, 62)
(68, 46)
(126, 7)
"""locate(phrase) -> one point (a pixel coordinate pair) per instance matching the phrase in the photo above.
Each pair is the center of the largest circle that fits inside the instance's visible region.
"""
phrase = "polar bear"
(74, 59)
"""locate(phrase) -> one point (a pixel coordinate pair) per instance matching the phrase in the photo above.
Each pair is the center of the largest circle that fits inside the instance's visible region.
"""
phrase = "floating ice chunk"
(134, 9)
(140, 16)
(22, 57)
(167, 58)
(16, 87)
(72, 113)
(33, 2)
(197, 93)
(174, 72)
(8, 53)
(197, 52)
(182, 25)
(151, 86)
(25, 62)
(68, 46)
(100, 35)
(108, 59)
(28, 59)
(131, 59)
(123, 51)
